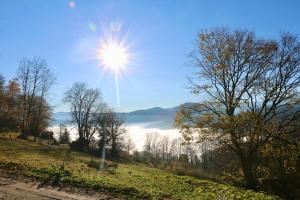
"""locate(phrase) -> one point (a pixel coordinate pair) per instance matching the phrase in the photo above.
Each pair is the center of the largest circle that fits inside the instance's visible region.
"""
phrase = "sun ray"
(117, 89)
(113, 55)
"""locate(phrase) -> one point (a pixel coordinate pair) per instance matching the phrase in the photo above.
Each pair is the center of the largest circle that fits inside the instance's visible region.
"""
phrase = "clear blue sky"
(160, 32)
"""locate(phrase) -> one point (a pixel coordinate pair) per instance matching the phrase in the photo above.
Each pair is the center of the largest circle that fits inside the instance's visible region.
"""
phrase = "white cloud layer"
(137, 132)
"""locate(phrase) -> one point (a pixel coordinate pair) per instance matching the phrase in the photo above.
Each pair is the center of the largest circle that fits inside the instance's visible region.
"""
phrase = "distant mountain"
(156, 117)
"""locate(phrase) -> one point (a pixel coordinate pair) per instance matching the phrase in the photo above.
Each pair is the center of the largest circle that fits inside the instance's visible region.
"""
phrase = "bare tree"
(85, 104)
(35, 82)
(47, 80)
(151, 143)
(129, 145)
(160, 149)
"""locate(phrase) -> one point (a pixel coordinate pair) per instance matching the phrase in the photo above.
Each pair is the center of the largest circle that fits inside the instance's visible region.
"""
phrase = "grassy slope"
(134, 181)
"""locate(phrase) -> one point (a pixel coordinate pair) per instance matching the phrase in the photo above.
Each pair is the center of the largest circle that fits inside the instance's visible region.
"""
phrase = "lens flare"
(116, 26)
(92, 26)
(72, 4)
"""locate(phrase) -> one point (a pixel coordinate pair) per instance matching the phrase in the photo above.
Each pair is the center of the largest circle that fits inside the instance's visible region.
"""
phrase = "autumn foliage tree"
(9, 104)
(250, 94)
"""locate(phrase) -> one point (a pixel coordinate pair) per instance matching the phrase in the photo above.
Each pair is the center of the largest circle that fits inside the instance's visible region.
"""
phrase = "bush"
(110, 167)
(55, 175)
(78, 145)
(93, 164)
(48, 135)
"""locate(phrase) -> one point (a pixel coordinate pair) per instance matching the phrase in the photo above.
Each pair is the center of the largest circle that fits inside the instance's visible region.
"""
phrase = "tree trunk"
(248, 171)
(114, 151)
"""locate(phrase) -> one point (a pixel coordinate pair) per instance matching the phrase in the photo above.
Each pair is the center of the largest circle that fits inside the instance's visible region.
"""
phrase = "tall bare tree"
(35, 80)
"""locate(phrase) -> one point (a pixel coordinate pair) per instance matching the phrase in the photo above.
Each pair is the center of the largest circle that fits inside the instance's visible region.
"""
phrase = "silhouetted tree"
(85, 104)
(115, 133)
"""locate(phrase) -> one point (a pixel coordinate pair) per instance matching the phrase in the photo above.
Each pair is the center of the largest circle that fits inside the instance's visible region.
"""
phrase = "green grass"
(133, 181)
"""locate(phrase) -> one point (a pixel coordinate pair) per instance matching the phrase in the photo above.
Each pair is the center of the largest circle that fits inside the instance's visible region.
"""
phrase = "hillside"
(57, 164)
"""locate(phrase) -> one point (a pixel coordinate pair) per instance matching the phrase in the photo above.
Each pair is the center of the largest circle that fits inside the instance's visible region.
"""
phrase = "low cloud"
(137, 132)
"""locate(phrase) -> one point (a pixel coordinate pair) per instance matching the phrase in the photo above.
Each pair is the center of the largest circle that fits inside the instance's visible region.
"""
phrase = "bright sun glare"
(113, 56)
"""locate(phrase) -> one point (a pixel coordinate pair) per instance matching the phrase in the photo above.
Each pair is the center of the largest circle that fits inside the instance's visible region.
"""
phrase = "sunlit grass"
(137, 181)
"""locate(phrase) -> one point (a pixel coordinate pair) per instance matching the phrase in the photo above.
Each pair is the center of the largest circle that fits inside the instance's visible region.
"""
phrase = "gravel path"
(11, 189)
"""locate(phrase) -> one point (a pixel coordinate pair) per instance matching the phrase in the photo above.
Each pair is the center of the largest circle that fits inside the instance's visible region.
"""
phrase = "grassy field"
(133, 181)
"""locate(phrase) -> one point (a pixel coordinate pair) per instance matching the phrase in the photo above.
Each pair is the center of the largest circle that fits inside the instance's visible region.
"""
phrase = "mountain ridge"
(155, 117)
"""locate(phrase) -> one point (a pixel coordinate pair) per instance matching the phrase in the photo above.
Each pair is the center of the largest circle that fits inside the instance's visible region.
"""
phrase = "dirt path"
(19, 190)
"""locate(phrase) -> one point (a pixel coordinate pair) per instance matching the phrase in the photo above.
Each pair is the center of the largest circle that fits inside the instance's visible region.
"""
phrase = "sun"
(113, 55)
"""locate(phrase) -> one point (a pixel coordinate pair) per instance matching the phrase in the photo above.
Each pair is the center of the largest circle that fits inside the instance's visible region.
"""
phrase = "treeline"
(249, 114)
(23, 101)
(174, 155)
(24, 108)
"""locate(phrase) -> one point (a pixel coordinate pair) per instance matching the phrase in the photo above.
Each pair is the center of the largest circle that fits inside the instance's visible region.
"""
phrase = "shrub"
(55, 175)
(93, 164)
(110, 167)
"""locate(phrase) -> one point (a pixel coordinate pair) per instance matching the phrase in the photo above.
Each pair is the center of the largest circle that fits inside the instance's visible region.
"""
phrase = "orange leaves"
(206, 118)
(209, 59)
(13, 86)
(202, 37)
(268, 47)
